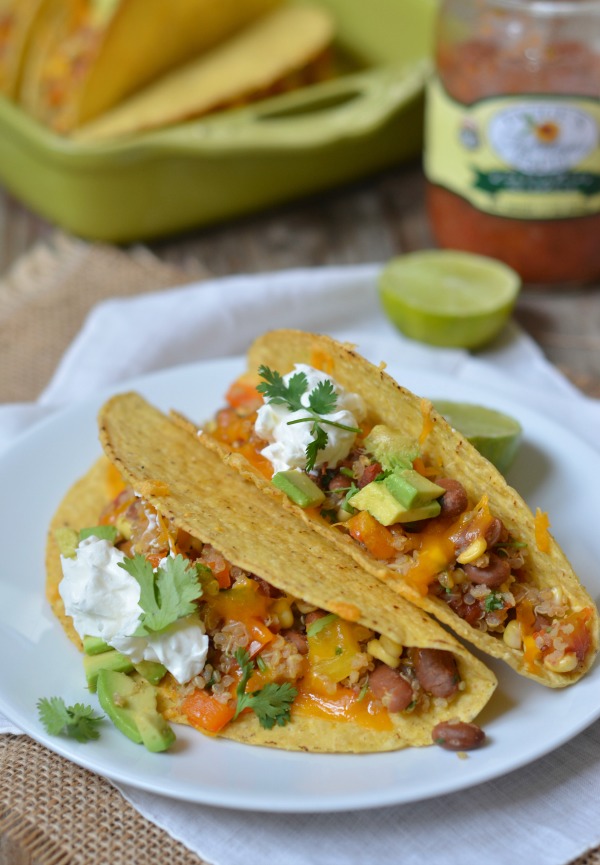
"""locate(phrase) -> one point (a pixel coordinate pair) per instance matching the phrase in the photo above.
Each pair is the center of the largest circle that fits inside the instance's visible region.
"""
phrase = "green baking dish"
(240, 161)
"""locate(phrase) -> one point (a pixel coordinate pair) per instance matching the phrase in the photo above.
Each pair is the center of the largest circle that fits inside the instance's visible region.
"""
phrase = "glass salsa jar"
(512, 153)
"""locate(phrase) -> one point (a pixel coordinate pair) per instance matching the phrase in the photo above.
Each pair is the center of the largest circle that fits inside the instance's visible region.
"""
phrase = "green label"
(523, 156)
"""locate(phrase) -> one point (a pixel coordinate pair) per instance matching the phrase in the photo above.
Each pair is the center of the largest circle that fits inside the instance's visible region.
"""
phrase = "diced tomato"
(243, 394)
(377, 538)
(205, 712)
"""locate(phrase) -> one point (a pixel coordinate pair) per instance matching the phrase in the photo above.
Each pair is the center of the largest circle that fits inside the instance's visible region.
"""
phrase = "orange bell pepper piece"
(377, 538)
(206, 713)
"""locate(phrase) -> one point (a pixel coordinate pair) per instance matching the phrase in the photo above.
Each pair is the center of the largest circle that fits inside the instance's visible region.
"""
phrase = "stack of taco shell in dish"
(68, 62)
(310, 619)
(17, 18)
(458, 541)
(281, 51)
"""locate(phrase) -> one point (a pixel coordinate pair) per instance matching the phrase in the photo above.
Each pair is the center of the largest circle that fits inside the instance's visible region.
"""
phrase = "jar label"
(523, 156)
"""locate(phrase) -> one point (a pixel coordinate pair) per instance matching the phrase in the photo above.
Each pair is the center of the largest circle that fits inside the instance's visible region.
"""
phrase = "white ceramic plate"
(523, 720)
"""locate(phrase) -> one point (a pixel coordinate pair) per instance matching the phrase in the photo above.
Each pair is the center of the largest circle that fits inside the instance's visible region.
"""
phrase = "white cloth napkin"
(546, 813)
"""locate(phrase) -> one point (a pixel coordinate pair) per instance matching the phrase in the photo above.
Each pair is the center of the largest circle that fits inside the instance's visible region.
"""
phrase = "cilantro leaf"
(271, 704)
(323, 398)
(493, 602)
(78, 721)
(319, 443)
(167, 595)
(105, 533)
(278, 392)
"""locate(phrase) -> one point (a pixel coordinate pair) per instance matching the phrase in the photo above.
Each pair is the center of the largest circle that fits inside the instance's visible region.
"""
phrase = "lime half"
(495, 435)
(447, 298)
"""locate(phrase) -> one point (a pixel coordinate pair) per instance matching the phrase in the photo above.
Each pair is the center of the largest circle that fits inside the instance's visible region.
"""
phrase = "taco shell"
(16, 22)
(281, 50)
(91, 54)
(214, 503)
(390, 404)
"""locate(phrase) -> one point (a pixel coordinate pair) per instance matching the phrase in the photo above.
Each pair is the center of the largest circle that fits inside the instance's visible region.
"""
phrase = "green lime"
(495, 435)
(448, 298)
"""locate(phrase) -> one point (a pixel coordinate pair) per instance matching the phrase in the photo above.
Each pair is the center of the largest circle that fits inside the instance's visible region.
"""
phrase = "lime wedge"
(448, 298)
(495, 435)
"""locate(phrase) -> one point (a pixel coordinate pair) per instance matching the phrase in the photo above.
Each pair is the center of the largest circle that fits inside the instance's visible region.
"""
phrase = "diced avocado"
(95, 645)
(412, 489)
(381, 504)
(113, 660)
(67, 540)
(130, 703)
(299, 488)
(392, 449)
(151, 671)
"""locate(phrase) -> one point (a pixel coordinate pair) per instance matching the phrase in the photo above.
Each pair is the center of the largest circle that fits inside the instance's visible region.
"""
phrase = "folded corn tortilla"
(214, 503)
(282, 50)
(390, 404)
(88, 55)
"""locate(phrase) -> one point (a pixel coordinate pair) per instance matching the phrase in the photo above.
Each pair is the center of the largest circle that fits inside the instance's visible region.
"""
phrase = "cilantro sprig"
(166, 595)
(493, 602)
(322, 400)
(79, 722)
(271, 704)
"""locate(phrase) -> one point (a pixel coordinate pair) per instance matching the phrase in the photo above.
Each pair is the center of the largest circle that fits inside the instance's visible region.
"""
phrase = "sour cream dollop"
(103, 601)
(287, 444)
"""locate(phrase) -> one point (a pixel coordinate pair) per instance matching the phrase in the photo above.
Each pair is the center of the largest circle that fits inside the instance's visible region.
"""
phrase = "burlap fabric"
(51, 811)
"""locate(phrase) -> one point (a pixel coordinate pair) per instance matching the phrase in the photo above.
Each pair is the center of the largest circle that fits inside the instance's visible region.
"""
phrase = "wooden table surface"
(371, 220)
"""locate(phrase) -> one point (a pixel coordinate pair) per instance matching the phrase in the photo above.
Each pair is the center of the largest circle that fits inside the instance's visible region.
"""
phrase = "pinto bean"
(458, 735)
(299, 640)
(369, 474)
(311, 617)
(391, 688)
(436, 671)
(495, 532)
(493, 575)
(454, 501)
(338, 482)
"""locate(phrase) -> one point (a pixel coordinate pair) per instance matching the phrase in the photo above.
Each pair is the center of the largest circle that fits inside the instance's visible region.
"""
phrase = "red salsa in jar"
(513, 129)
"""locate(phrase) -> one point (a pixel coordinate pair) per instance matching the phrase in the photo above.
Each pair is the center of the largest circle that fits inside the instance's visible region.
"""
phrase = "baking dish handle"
(348, 107)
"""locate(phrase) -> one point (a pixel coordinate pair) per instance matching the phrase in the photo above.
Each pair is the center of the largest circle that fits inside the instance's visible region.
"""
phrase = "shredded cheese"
(542, 535)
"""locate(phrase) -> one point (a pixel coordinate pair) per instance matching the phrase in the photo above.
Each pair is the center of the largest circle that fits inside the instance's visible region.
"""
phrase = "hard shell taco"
(380, 474)
(313, 653)
(87, 55)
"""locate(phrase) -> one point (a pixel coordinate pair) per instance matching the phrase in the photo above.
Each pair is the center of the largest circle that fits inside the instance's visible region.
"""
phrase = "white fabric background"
(546, 813)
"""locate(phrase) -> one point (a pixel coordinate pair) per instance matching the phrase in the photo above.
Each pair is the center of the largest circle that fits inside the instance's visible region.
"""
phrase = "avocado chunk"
(385, 507)
(113, 660)
(130, 703)
(412, 489)
(151, 671)
(67, 540)
(95, 645)
(299, 488)
(392, 449)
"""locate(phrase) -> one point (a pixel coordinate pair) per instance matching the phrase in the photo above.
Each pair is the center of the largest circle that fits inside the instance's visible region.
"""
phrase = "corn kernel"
(304, 607)
(558, 595)
(375, 649)
(392, 647)
(475, 549)
(512, 635)
(343, 515)
(282, 610)
(566, 664)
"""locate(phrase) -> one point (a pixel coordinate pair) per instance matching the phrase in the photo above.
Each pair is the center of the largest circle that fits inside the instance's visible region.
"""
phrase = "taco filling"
(315, 441)
(242, 648)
